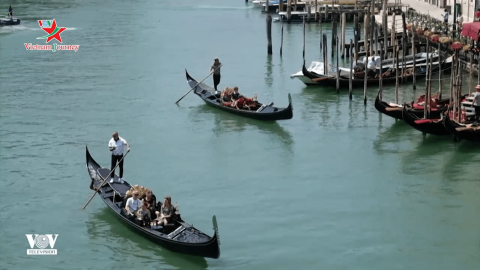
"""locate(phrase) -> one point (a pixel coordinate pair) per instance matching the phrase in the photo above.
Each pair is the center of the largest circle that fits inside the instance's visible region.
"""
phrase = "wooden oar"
(393, 109)
(105, 180)
(467, 128)
(198, 83)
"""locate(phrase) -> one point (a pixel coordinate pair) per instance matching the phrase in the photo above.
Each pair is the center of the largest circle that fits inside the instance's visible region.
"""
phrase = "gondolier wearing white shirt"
(117, 145)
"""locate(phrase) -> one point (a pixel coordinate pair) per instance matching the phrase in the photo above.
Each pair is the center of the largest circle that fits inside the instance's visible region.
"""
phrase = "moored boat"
(261, 111)
(415, 108)
(464, 129)
(176, 236)
(318, 76)
(433, 126)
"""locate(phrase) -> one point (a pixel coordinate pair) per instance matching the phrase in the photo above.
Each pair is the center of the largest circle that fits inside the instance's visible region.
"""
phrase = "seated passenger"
(235, 94)
(166, 213)
(239, 104)
(133, 204)
(226, 95)
(144, 212)
(151, 201)
(250, 104)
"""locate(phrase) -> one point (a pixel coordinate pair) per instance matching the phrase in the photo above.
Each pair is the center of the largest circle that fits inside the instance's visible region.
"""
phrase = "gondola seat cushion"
(425, 121)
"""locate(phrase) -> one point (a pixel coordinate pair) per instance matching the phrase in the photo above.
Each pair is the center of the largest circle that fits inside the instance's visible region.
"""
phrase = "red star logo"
(53, 31)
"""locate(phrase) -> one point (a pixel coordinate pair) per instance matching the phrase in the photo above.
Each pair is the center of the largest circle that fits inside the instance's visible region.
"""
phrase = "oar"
(198, 83)
(105, 180)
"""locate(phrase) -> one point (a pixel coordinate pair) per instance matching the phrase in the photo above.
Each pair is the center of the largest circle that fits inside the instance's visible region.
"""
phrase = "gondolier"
(476, 102)
(216, 72)
(117, 146)
(10, 12)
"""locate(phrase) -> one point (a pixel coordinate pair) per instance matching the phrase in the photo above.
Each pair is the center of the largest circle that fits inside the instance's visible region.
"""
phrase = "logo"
(52, 30)
(53, 33)
(41, 241)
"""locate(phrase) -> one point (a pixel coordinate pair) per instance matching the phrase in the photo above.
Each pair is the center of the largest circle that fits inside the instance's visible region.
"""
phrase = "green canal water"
(339, 186)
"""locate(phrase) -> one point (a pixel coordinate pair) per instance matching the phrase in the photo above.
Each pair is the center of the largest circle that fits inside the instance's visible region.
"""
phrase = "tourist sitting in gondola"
(144, 212)
(226, 95)
(235, 94)
(240, 102)
(151, 201)
(133, 204)
(166, 212)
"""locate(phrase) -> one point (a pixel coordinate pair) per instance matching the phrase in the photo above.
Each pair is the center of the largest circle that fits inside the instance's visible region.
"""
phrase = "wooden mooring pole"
(413, 53)
(440, 71)
(281, 41)
(344, 23)
(351, 74)
(269, 33)
(289, 11)
(303, 38)
(355, 35)
(338, 70)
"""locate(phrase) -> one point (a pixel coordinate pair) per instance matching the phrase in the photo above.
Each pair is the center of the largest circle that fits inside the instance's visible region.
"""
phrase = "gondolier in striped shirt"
(216, 72)
(117, 145)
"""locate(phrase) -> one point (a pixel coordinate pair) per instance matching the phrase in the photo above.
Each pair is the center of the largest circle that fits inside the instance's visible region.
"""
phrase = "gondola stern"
(216, 237)
(290, 101)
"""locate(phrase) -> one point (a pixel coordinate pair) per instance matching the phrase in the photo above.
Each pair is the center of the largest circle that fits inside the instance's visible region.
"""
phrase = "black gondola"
(326, 80)
(464, 131)
(431, 126)
(177, 236)
(396, 110)
(264, 112)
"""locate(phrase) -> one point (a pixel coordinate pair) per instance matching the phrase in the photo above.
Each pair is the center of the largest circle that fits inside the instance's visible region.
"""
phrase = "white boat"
(317, 67)
(259, 3)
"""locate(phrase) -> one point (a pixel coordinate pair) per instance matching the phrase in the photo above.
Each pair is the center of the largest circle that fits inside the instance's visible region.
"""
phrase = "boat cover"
(471, 30)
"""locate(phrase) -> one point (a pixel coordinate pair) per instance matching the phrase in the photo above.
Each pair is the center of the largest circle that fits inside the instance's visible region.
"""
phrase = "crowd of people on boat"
(142, 204)
(231, 98)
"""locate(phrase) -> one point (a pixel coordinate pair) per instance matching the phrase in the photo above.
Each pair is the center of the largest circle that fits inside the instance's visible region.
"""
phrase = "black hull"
(397, 112)
(269, 113)
(112, 195)
(328, 81)
(434, 127)
(4, 22)
(469, 134)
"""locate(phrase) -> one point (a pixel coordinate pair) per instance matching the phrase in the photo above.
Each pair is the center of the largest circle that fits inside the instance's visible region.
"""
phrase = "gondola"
(344, 82)
(396, 110)
(264, 112)
(177, 236)
(431, 126)
(469, 131)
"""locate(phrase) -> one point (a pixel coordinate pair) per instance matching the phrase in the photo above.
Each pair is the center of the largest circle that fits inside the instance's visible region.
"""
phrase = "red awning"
(471, 30)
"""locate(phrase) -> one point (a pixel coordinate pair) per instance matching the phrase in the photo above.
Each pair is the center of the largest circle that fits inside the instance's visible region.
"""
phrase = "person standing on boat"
(216, 72)
(117, 145)
(476, 102)
(10, 12)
